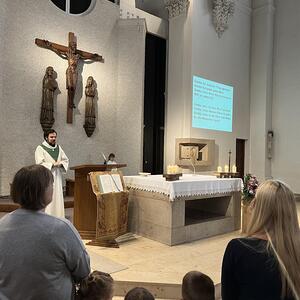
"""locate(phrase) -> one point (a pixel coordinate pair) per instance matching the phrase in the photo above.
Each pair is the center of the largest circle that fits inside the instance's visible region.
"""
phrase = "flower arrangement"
(249, 189)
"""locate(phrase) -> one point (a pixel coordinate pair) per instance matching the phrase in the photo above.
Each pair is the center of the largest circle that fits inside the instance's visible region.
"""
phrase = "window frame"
(67, 5)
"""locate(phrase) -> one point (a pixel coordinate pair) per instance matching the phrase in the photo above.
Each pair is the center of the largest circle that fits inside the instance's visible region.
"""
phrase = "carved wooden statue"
(49, 87)
(90, 116)
(72, 54)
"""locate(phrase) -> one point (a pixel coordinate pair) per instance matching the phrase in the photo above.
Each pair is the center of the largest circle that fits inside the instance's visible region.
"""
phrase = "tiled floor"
(151, 261)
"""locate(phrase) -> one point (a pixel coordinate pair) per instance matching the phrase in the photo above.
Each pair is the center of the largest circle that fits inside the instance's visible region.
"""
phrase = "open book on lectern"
(109, 183)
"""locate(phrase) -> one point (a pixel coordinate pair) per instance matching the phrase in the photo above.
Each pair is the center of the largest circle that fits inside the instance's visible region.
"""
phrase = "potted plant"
(248, 194)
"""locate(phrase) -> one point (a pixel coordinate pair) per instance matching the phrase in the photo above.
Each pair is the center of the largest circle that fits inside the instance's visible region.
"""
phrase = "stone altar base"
(186, 219)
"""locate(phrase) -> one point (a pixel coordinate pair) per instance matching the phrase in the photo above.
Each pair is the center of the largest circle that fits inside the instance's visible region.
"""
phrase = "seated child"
(139, 293)
(111, 159)
(97, 286)
(197, 286)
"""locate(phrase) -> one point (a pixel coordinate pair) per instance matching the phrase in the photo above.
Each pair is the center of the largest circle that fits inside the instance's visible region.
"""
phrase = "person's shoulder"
(61, 223)
(238, 243)
(52, 220)
(234, 243)
(65, 229)
(247, 244)
(39, 147)
(242, 241)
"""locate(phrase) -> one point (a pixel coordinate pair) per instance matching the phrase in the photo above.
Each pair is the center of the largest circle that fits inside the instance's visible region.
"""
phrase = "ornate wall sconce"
(222, 10)
(176, 7)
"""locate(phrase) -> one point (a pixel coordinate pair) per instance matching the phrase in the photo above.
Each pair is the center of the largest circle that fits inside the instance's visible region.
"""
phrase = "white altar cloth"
(187, 185)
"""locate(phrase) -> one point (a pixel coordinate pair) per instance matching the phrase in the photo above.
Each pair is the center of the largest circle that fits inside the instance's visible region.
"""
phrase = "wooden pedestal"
(85, 201)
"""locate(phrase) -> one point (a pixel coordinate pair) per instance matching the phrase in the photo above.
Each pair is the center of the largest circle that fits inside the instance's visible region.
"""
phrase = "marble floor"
(150, 261)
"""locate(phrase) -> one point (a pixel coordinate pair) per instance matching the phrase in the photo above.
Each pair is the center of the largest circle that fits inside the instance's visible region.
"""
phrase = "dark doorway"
(154, 104)
(240, 156)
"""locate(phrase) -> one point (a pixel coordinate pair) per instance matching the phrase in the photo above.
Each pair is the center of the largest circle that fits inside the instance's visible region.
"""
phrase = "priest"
(52, 156)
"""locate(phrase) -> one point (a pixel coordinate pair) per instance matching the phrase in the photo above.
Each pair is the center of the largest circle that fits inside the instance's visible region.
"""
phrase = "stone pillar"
(178, 107)
(261, 86)
(130, 101)
(3, 20)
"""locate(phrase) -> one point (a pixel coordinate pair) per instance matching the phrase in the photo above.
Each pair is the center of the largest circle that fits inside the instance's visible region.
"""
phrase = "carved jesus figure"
(71, 72)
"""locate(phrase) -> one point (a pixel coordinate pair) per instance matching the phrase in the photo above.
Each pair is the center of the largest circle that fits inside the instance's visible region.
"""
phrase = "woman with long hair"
(266, 264)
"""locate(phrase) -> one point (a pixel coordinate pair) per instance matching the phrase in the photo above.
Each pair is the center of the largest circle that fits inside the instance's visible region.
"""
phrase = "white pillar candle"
(168, 169)
(226, 169)
(233, 169)
(219, 169)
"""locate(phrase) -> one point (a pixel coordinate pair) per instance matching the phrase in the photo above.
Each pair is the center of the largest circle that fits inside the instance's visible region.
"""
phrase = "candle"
(226, 169)
(219, 169)
(233, 169)
(168, 169)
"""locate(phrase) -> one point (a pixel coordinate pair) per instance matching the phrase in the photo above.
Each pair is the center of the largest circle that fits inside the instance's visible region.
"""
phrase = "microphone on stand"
(105, 160)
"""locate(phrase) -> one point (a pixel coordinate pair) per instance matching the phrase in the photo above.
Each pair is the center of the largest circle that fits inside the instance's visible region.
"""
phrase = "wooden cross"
(72, 54)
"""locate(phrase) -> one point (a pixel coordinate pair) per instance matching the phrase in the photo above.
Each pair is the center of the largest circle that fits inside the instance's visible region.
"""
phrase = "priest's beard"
(51, 143)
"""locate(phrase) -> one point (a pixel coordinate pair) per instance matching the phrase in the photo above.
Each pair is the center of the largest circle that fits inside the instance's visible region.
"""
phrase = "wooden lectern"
(85, 201)
(112, 207)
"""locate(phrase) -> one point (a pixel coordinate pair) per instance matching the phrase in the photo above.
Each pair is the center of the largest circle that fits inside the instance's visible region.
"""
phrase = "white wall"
(196, 49)
(286, 93)
(261, 86)
(3, 21)
(130, 109)
(22, 69)
(155, 25)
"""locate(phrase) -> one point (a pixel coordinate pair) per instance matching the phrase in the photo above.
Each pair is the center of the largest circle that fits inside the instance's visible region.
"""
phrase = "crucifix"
(73, 55)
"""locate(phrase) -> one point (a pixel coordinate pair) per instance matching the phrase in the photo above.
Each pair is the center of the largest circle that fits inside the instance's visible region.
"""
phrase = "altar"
(191, 208)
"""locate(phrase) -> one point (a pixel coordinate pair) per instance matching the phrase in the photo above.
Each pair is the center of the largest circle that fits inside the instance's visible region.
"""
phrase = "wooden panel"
(240, 157)
(70, 183)
(8, 207)
(85, 201)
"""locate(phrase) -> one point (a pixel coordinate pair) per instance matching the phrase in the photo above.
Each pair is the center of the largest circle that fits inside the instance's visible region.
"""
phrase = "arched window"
(74, 7)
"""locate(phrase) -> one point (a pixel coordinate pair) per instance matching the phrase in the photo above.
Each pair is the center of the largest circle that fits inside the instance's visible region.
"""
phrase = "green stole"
(52, 152)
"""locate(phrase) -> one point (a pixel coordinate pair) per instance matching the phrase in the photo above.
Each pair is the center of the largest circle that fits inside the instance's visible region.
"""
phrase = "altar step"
(164, 291)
